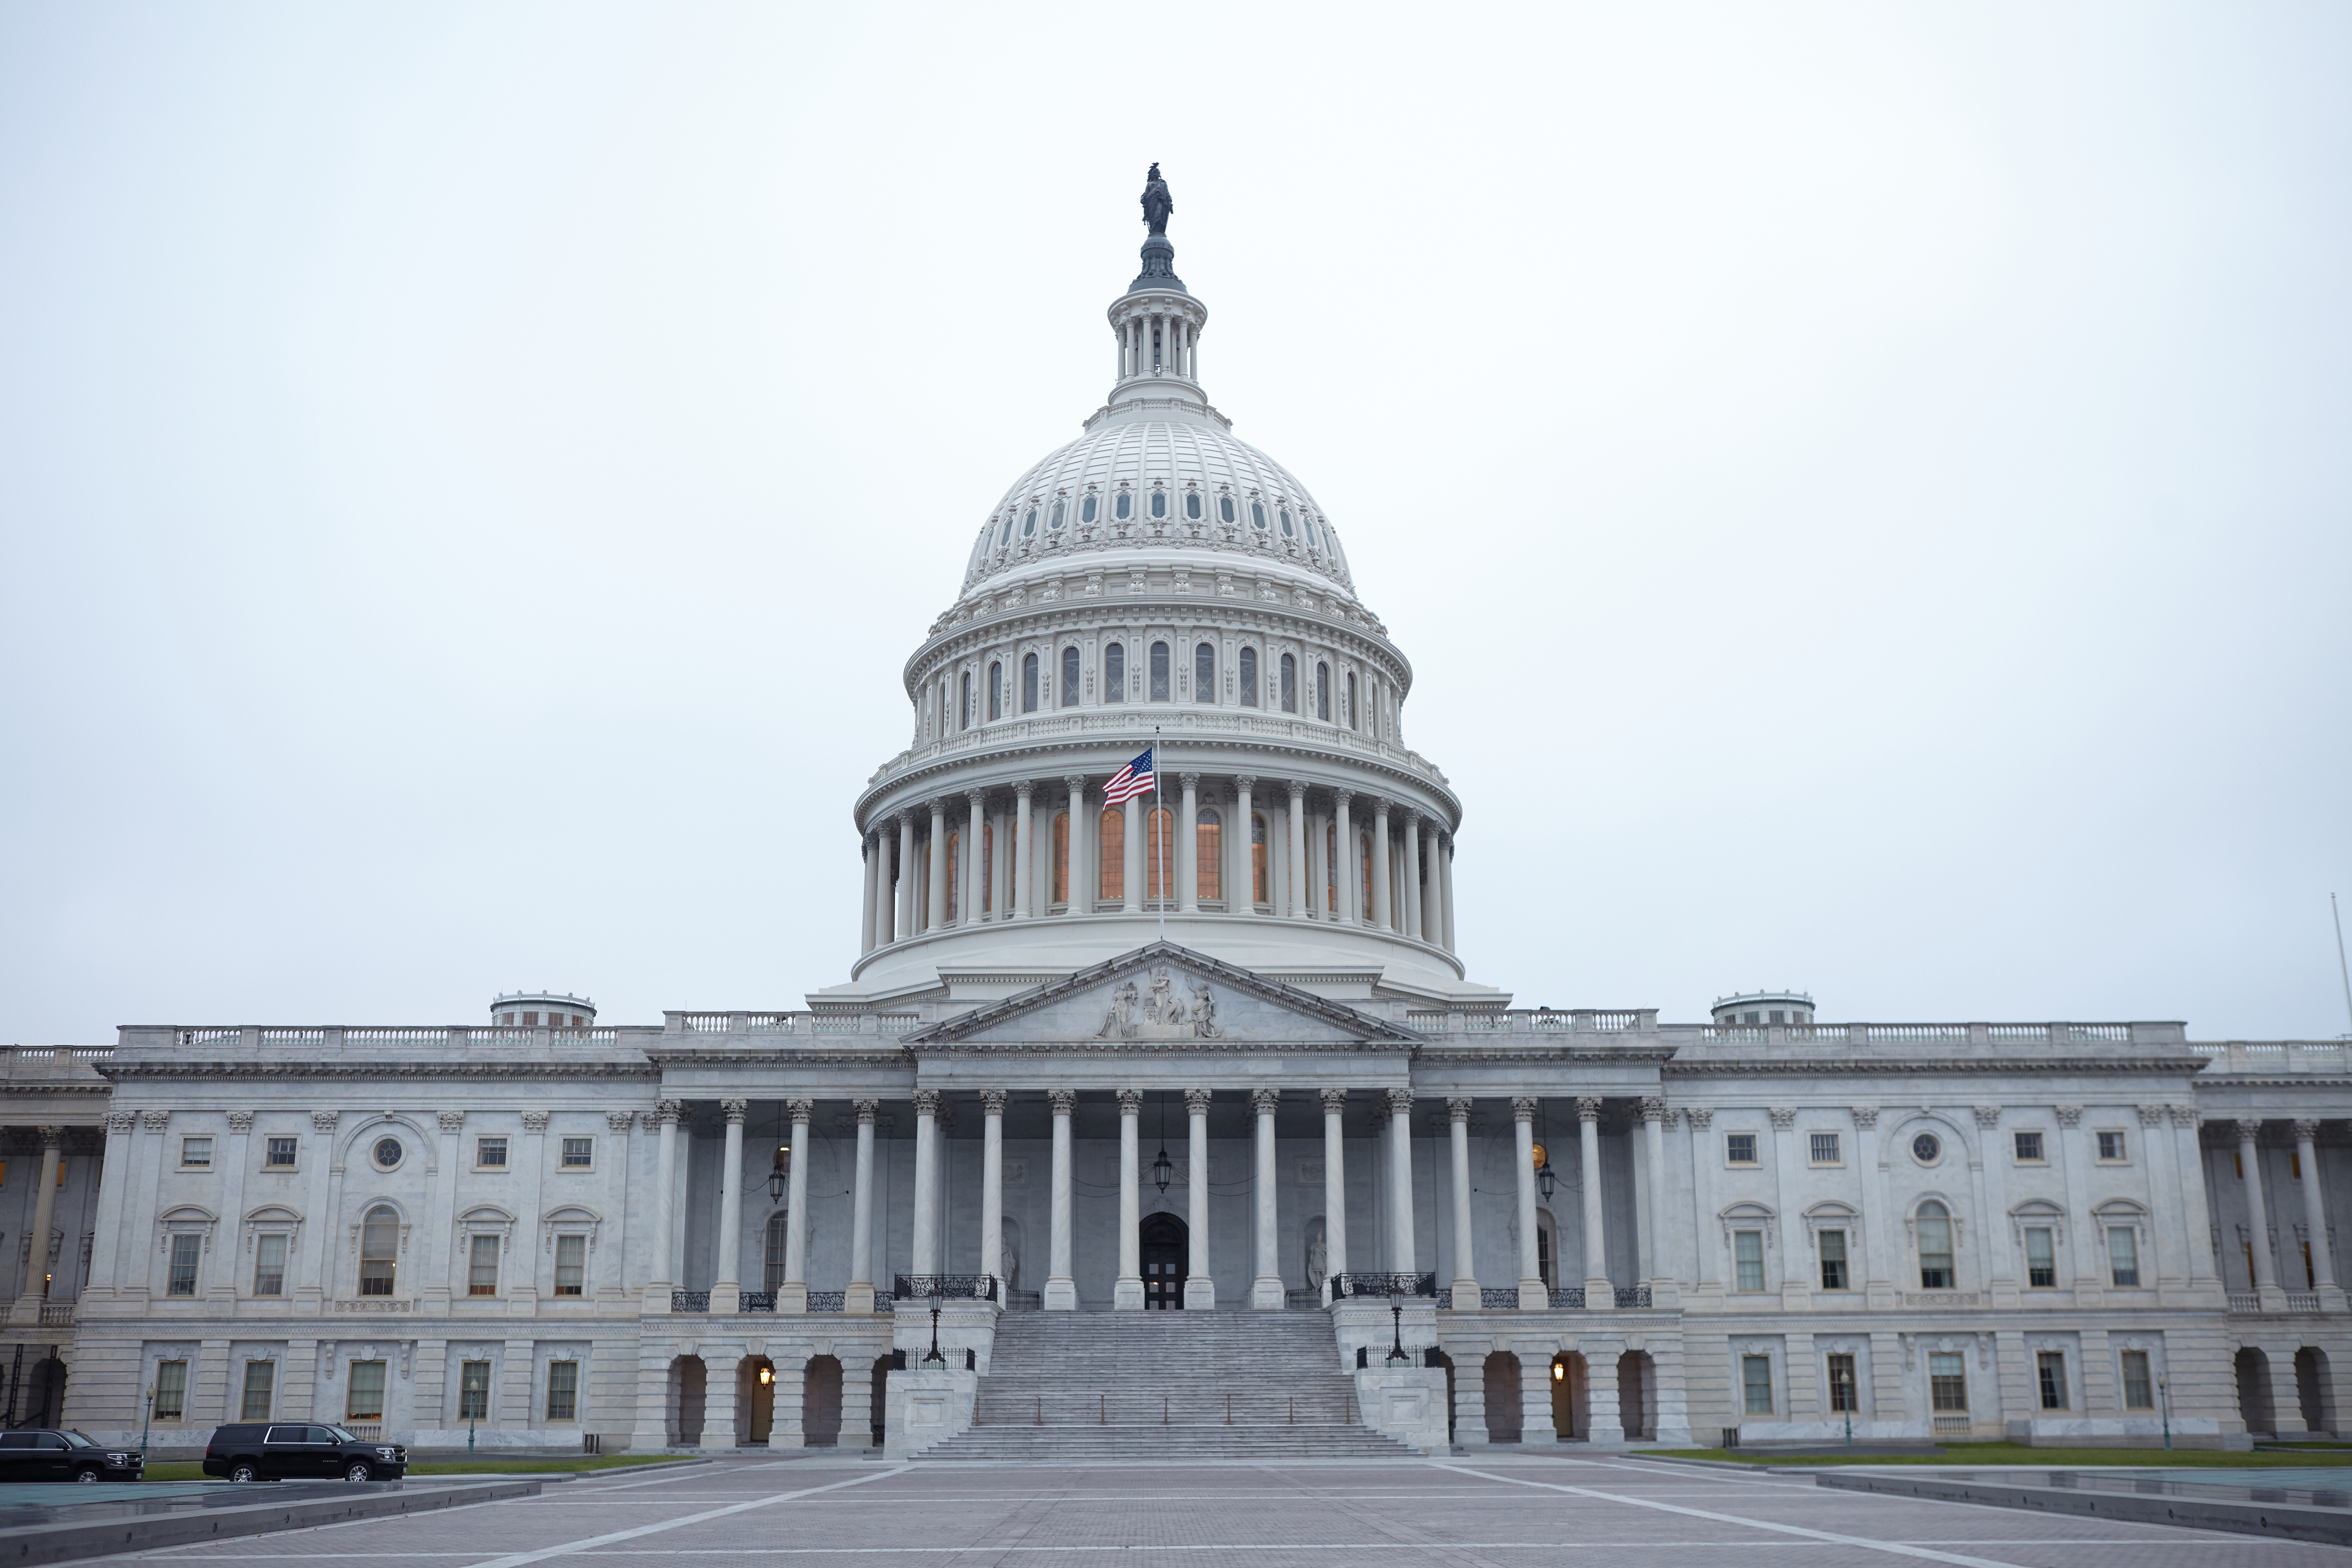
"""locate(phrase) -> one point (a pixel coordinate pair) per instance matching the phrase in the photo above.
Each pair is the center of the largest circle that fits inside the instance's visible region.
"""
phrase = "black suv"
(282, 1451)
(45, 1454)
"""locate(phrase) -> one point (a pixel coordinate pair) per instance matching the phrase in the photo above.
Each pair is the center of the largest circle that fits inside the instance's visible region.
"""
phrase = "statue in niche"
(1118, 1018)
(1318, 1255)
(1157, 203)
(1204, 1013)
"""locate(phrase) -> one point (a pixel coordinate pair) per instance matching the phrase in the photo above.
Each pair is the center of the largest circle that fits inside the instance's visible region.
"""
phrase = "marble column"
(859, 1297)
(44, 1220)
(906, 874)
(1024, 850)
(1351, 898)
(925, 1247)
(793, 1297)
(1241, 889)
(726, 1290)
(1465, 1271)
(935, 918)
(2204, 1268)
(870, 844)
(2314, 1215)
(1445, 868)
(1266, 1291)
(1297, 902)
(1433, 912)
(1382, 902)
(1188, 848)
(1078, 858)
(1409, 895)
(1600, 1295)
(1126, 1294)
(1534, 1297)
(1199, 1289)
(971, 867)
(2258, 1223)
(1061, 1289)
(1335, 1191)
(1655, 1120)
(992, 1186)
(1401, 1237)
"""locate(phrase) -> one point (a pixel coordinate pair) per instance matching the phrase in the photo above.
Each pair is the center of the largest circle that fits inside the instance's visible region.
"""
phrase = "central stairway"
(1077, 1386)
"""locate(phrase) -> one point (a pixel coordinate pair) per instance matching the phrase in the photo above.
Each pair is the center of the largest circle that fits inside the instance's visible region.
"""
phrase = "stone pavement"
(1492, 1511)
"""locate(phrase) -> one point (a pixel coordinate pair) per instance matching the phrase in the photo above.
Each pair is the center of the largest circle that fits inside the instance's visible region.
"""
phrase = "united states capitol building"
(1172, 1123)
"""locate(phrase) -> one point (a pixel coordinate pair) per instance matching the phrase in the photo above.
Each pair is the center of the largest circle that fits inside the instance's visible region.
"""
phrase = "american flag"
(1131, 781)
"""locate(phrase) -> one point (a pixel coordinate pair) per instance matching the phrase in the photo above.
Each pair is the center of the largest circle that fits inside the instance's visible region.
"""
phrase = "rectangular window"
(1748, 1252)
(2111, 1145)
(2051, 1366)
(281, 1153)
(1756, 1383)
(2139, 1389)
(196, 1154)
(1833, 1245)
(365, 1398)
(579, 1153)
(2029, 1148)
(482, 1266)
(2123, 1254)
(1846, 1388)
(270, 1265)
(260, 1383)
(571, 1264)
(563, 1390)
(1825, 1148)
(2041, 1260)
(170, 1390)
(490, 1153)
(187, 1247)
(1739, 1148)
(474, 1391)
(1947, 1382)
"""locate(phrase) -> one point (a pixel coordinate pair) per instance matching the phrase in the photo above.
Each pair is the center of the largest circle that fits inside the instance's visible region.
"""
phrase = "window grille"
(1739, 1148)
(1756, 1383)
(2111, 1145)
(482, 1266)
(281, 1153)
(563, 1390)
(2029, 1147)
(187, 1246)
(1935, 1246)
(1825, 1148)
(579, 1153)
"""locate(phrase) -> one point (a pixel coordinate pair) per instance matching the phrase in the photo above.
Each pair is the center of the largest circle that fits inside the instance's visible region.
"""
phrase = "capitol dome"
(1160, 586)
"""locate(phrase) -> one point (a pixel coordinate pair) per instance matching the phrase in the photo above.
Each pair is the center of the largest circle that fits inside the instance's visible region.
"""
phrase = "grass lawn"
(2049, 1458)
(193, 1470)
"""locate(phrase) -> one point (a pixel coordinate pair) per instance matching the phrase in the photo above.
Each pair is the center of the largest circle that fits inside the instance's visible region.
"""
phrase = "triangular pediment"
(1162, 994)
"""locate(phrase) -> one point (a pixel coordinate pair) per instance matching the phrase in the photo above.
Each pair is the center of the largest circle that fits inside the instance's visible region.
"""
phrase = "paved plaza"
(1490, 1512)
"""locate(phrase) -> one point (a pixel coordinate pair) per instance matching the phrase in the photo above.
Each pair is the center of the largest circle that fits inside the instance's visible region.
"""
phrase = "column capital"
(1700, 1115)
(1297, 788)
(2306, 1128)
(2153, 1115)
(927, 1102)
(1866, 1117)
(1457, 1109)
(620, 1120)
(1380, 805)
(242, 1120)
(664, 1111)
(976, 798)
(1523, 1107)
(1130, 1102)
(1196, 1102)
(735, 1111)
(1340, 798)
(991, 1102)
(1024, 788)
(939, 806)
(1588, 1109)
(1266, 1101)
(1334, 1099)
(1190, 781)
(1653, 1108)
(2069, 1115)
(54, 1137)
(1245, 780)
(1077, 782)
(2248, 1129)
(800, 1110)
(1988, 1116)
(121, 1121)
(867, 1109)
(1063, 1101)
(323, 1121)
(2185, 1117)
(1400, 1101)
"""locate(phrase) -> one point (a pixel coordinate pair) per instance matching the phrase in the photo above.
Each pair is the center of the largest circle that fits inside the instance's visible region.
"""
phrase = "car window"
(330, 1435)
(76, 1440)
(49, 1440)
(17, 1439)
(286, 1434)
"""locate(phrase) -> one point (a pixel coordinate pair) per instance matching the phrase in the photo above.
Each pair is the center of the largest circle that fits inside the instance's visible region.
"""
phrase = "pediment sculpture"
(1160, 1013)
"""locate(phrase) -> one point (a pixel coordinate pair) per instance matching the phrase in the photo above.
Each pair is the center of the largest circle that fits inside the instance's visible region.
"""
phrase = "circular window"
(1926, 1149)
(387, 1152)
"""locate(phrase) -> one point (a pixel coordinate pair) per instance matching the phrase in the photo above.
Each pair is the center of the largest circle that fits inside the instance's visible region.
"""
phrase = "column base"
(792, 1298)
(727, 1298)
(1200, 1294)
(2332, 1299)
(1599, 1296)
(1533, 1296)
(858, 1301)
(2271, 1298)
(718, 1439)
(1127, 1296)
(1465, 1295)
(1267, 1294)
(657, 1302)
(1061, 1294)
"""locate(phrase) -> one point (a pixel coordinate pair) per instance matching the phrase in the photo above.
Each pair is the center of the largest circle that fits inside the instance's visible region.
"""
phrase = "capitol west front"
(1186, 1115)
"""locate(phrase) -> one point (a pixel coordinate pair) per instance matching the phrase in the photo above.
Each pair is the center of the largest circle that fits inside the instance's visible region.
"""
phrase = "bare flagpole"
(1159, 839)
(2340, 968)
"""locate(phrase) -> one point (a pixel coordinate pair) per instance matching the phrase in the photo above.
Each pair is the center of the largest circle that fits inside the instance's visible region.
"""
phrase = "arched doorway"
(1448, 1363)
(2255, 1391)
(821, 1403)
(1571, 1397)
(881, 1404)
(755, 1400)
(46, 1389)
(1637, 1394)
(2314, 1394)
(687, 1380)
(1503, 1411)
(1163, 1240)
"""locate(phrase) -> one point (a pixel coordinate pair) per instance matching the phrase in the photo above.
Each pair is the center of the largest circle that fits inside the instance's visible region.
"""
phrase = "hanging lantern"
(1163, 1169)
(1544, 1177)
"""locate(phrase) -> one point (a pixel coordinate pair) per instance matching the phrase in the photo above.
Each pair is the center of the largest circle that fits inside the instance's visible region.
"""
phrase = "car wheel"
(356, 1472)
(242, 1472)
(89, 1476)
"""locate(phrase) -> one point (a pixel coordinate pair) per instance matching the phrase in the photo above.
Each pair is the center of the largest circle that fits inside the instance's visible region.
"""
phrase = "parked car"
(282, 1451)
(45, 1454)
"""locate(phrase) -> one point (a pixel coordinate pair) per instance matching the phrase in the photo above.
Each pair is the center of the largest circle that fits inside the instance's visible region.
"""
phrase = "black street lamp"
(1396, 1348)
(935, 1358)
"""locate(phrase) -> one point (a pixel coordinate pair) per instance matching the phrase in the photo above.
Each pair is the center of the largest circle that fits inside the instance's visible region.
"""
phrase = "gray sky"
(1864, 488)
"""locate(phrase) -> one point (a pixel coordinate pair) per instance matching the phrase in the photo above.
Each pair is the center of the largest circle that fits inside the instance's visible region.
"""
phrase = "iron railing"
(1571, 1297)
(1355, 1285)
(757, 1302)
(1024, 1301)
(948, 1287)
(689, 1300)
(828, 1301)
(1633, 1295)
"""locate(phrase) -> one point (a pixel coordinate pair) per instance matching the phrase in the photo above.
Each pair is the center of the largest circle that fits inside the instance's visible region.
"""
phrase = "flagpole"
(1161, 839)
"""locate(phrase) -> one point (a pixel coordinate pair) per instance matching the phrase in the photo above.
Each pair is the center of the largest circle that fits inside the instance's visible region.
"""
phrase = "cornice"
(992, 626)
(402, 1069)
(895, 1058)
(1762, 1067)
(66, 1086)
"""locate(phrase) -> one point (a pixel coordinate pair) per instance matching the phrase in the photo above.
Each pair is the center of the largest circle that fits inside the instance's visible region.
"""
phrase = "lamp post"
(2164, 1398)
(144, 1426)
(935, 1356)
(1396, 1345)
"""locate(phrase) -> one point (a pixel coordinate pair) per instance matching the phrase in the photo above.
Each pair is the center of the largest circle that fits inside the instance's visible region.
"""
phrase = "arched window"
(1029, 683)
(1193, 505)
(1209, 854)
(1160, 503)
(1204, 673)
(1935, 1223)
(1115, 673)
(1308, 523)
(1249, 678)
(996, 689)
(1322, 691)
(1029, 523)
(1160, 672)
(1364, 874)
(1158, 854)
(1061, 836)
(379, 1246)
(779, 1227)
(1225, 508)
(1351, 700)
(1125, 505)
(1055, 520)
(1289, 684)
(1111, 865)
(1087, 511)
(1069, 677)
(967, 699)
(955, 845)
(1258, 894)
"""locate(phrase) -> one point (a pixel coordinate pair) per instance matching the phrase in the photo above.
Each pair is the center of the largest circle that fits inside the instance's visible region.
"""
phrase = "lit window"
(1846, 1388)
(1029, 683)
(482, 1266)
(270, 1265)
(1069, 677)
(2041, 1258)
(1193, 505)
(379, 1242)
(579, 1153)
(1159, 677)
(563, 1390)
(260, 1383)
(1110, 874)
(571, 1264)
(2123, 1254)
(1739, 1149)
(1748, 1252)
(474, 1391)
(1832, 1244)
(1060, 893)
(2051, 1368)
(1249, 678)
(1756, 1383)
(196, 1154)
(1160, 503)
(1947, 1382)
(2111, 1145)
(1115, 673)
(1824, 1148)
(1935, 1246)
(187, 1246)
(363, 1400)
(1086, 510)
(1258, 894)
(280, 1153)
(1207, 853)
(170, 1390)
(490, 1153)
(1125, 505)
(1225, 508)
(2029, 1148)
(1289, 684)
(1204, 673)
(2140, 1388)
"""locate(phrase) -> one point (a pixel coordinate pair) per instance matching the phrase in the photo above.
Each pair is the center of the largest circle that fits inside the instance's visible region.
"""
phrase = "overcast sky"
(1865, 489)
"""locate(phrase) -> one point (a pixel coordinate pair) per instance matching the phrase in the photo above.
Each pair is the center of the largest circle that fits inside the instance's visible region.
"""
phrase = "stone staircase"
(1089, 1386)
